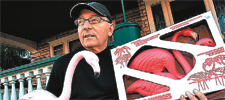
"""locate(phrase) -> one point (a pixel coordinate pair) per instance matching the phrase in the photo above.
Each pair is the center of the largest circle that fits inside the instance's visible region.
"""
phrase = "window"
(58, 50)
(158, 17)
(63, 48)
(184, 9)
(73, 45)
(220, 12)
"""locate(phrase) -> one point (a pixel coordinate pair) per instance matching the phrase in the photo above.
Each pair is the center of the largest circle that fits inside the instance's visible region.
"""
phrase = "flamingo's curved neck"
(184, 63)
(65, 95)
(175, 36)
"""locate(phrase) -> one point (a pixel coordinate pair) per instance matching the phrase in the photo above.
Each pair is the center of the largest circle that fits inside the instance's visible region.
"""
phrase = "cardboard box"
(145, 65)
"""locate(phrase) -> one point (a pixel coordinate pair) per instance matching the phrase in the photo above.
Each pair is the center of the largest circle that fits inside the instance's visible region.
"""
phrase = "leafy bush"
(11, 56)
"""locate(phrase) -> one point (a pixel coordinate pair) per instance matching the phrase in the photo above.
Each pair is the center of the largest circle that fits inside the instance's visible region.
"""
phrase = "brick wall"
(43, 49)
(143, 18)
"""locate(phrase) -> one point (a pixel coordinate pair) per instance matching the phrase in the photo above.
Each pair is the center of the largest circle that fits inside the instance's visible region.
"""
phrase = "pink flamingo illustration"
(91, 59)
(119, 52)
(211, 61)
(121, 59)
(220, 72)
(208, 73)
(200, 78)
(127, 56)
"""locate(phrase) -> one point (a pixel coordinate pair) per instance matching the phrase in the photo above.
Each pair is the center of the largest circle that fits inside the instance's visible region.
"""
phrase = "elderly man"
(94, 27)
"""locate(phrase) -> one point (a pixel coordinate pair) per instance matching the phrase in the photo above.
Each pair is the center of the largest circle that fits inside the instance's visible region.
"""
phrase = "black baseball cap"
(93, 6)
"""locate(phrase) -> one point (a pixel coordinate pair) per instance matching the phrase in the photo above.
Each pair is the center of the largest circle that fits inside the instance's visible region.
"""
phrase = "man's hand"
(199, 94)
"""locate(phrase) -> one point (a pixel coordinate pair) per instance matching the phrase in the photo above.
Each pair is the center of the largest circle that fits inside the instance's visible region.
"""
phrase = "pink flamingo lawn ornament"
(146, 88)
(155, 60)
(184, 63)
(90, 58)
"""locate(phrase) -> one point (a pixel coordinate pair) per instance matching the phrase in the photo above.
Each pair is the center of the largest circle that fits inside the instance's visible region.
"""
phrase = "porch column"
(29, 76)
(6, 89)
(38, 74)
(12, 81)
(0, 92)
(20, 77)
(47, 72)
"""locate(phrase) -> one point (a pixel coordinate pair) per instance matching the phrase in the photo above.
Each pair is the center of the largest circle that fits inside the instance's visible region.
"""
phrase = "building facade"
(151, 15)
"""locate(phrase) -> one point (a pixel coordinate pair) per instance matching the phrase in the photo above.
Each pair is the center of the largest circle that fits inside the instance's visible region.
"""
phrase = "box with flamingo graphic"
(167, 63)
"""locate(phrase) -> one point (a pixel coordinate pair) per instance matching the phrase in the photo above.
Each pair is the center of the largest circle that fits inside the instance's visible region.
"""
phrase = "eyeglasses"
(91, 20)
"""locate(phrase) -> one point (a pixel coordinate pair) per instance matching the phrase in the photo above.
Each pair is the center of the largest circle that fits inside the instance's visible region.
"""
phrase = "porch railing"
(18, 81)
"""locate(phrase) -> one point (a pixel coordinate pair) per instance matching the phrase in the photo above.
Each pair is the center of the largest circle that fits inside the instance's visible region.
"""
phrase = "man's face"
(94, 37)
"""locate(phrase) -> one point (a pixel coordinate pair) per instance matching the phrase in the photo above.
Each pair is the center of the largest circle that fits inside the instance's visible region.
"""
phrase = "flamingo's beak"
(189, 32)
(96, 69)
(194, 35)
(96, 74)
